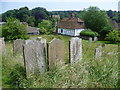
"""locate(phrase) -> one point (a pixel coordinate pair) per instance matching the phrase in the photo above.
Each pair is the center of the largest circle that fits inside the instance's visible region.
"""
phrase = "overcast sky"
(53, 5)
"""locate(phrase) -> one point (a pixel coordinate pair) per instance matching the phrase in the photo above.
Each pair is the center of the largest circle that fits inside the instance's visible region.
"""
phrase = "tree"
(46, 27)
(23, 14)
(14, 29)
(31, 20)
(39, 14)
(96, 19)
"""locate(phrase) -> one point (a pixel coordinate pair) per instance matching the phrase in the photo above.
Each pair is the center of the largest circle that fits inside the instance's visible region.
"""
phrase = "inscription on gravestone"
(56, 53)
(34, 57)
(18, 46)
(75, 49)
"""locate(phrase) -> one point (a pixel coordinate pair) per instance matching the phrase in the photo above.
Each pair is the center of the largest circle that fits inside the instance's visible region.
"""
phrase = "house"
(70, 26)
(31, 30)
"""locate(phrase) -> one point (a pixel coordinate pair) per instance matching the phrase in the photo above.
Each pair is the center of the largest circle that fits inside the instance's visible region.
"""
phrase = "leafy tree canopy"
(96, 19)
(13, 29)
(46, 27)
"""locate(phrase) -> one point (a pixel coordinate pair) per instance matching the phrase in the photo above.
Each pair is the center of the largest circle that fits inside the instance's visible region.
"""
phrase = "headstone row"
(95, 39)
(34, 53)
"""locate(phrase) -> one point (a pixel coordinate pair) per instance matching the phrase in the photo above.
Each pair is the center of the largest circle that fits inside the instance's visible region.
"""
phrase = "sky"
(54, 5)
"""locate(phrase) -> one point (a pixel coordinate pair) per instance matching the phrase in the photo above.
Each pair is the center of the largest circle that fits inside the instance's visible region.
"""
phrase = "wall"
(77, 31)
(70, 32)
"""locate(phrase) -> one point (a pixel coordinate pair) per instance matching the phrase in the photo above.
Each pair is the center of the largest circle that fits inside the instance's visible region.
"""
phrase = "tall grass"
(88, 73)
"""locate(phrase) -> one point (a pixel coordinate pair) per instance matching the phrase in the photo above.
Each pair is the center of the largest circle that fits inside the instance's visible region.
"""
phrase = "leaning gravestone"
(55, 53)
(98, 52)
(95, 39)
(34, 58)
(18, 46)
(75, 49)
(2, 45)
(90, 39)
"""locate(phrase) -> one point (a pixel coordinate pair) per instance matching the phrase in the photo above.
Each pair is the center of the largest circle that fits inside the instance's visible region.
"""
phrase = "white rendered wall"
(77, 31)
(70, 32)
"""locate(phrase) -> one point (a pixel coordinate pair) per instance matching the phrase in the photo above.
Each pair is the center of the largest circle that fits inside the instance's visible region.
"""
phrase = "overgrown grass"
(88, 73)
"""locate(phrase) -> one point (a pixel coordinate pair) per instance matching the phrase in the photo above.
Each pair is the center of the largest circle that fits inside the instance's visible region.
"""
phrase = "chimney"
(72, 15)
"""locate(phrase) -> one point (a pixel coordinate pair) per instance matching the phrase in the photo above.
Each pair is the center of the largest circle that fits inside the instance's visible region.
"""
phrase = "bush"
(113, 36)
(13, 29)
(89, 32)
(46, 27)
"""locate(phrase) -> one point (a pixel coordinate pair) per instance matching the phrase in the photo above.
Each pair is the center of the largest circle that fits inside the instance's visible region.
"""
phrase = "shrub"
(89, 32)
(46, 27)
(13, 29)
(113, 36)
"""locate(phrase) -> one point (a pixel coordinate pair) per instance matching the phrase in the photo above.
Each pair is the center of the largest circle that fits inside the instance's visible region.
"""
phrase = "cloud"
(59, 0)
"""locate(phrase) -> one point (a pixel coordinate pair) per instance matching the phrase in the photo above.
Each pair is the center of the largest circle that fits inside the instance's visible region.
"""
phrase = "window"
(81, 23)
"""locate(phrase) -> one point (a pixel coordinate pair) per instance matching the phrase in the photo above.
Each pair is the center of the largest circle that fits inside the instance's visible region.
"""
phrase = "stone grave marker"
(43, 41)
(75, 49)
(90, 39)
(2, 45)
(95, 39)
(98, 52)
(55, 53)
(18, 46)
(34, 58)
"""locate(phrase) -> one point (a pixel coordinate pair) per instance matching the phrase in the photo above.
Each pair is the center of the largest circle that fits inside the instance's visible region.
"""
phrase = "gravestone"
(34, 58)
(95, 39)
(90, 39)
(2, 45)
(98, 52)
(103, 45)
(28, 41)
(39, 38)
(55, 53)
(43, 41)
(75, 49)
(18, 46)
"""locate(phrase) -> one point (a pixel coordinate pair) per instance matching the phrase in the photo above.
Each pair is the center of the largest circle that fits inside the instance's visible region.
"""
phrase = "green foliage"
(89, 32)
(46, 27)
(13, 29)
(113, 36)
(31, 21)
(95, 19)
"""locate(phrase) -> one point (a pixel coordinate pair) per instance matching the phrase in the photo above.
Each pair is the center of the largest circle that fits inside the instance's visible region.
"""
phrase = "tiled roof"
(71, 23)
(32, 29)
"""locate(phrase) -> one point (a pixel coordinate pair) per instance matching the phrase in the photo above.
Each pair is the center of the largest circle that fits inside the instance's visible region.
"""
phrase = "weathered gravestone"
(75, 49)
(2, 45)
(43, 41)
(34, 58)
(98, 52)
(90, 39)
(55, 53)
(18, 46)
(95, 39)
